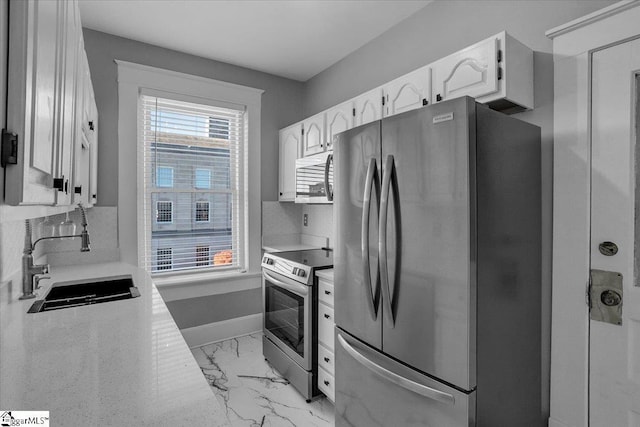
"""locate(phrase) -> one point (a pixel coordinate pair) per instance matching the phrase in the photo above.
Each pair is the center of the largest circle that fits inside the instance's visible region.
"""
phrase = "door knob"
(608, 248)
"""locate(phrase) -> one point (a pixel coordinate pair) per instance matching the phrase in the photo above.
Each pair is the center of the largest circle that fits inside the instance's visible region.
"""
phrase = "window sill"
(209, 277)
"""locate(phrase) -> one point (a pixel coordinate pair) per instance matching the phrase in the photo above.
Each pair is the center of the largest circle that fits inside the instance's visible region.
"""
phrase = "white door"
(339, 119)
(472, 72)
(368, 107)
(289, 143)
(614, 377)
(407, 92)
(313, 139)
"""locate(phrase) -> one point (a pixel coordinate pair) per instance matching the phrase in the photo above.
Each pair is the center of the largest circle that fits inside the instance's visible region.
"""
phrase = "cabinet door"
(313, 139)
(472, 72)
(368, 107)
(339, 119)
(68, 122)
(408, 92)
(93, 146)
(35, 31)
(289, 145)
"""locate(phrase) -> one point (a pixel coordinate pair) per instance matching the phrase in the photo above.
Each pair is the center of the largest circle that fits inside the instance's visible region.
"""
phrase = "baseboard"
(555, 423)
(219, 331)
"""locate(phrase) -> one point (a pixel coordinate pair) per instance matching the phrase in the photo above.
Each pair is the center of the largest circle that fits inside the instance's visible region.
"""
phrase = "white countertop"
(116, 363)
(325, 274)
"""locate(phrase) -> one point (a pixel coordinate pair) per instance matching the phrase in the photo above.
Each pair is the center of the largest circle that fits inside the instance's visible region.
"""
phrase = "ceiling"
(296, 39)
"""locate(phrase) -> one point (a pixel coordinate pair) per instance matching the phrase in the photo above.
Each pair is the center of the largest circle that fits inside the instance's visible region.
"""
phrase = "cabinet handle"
(58, 183)
(327, 292)
(326, 316)
(326, 382)
(91, 125)
(438, 98)
(326, 359)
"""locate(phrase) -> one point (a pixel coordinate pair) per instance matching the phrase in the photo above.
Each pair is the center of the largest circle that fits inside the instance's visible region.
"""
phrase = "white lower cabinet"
(326, 327)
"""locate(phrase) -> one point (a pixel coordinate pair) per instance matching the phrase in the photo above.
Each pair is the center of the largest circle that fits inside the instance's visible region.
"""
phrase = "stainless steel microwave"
(314, 178)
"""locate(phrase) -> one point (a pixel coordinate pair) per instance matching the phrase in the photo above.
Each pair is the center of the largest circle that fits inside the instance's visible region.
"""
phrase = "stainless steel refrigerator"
(437, 270)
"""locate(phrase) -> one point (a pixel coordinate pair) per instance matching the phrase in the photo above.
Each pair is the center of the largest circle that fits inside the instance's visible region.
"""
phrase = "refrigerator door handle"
(382, 238)
(366, 212)
(327, 187)
(421, 389)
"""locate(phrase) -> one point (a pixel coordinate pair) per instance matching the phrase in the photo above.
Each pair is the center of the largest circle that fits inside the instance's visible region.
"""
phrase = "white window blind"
(194, 198)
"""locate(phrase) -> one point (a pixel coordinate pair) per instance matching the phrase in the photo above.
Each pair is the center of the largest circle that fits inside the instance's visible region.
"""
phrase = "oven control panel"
(293, 270)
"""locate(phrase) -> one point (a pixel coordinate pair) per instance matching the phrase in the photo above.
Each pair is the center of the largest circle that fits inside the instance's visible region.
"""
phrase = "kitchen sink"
(82, 292)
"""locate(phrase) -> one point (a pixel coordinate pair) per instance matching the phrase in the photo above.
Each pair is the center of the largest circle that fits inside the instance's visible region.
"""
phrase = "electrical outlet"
(305, 219)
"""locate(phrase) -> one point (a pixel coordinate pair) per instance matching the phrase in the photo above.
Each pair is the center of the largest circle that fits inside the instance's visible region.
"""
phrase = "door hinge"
(588, 295)
(424, 101)
(499, 55)
(383, 100)
(438, 98)
(9, 148)
(499, 73)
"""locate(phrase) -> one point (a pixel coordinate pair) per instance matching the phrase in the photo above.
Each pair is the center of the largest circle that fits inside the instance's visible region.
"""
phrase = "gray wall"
(215, 308)
(281, 101)
(443, 27)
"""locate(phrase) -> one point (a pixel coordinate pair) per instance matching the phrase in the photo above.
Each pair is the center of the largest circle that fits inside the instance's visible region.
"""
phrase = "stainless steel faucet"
(29, 270)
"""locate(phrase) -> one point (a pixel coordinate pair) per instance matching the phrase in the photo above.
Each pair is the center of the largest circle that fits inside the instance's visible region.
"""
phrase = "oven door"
(288, 316)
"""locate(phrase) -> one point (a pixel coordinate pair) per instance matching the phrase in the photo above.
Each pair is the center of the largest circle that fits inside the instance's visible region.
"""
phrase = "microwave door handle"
(296, 289)
(327, 188)
(366, 213)
(399, 380)
(382, 238)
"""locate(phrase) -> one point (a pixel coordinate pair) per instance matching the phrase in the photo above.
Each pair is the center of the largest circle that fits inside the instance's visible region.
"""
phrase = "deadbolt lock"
(608, 248)
(605, 296)
(610, 298)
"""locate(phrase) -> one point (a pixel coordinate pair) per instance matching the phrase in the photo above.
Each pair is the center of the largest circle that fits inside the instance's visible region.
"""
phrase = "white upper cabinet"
(497, 71)
(35, 30)
(411, 91)
(313, 138)
(46, 60)
(339, 118)
(368, 106)
(290, 138)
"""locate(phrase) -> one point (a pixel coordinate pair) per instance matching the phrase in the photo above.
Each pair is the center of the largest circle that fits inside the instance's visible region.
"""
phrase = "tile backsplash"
(286, 221)
(102, 230)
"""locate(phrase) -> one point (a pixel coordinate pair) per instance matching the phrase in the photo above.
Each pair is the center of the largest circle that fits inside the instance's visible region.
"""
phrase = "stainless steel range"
(290, 341)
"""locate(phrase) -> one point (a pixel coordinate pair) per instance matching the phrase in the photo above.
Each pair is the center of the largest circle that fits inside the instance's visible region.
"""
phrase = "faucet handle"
(38, 278)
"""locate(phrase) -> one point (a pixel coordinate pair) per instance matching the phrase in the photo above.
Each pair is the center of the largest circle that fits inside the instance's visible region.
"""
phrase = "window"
(202, 256)
(194, 151)
(164, 177)
(164, 259)
(202, 211)
(203, 178)
(164, 211)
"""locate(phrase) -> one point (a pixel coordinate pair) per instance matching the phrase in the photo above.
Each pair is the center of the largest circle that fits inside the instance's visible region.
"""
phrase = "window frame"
(158, 175)
(132, 80)
(158, 255)
(170, 202)
(195, 178)
(195, 216)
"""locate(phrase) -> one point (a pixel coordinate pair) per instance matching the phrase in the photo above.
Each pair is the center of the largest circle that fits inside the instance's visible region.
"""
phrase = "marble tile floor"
(251, 392)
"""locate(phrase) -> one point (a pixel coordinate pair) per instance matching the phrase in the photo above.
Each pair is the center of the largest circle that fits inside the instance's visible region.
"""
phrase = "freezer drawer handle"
(413, 386)
(366, 211)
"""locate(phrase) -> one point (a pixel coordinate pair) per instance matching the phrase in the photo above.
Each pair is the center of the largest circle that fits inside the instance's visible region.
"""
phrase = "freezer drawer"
(372, 389)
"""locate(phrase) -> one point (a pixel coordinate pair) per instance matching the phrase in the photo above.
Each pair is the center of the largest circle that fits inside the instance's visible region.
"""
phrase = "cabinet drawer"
(325, 359)
(326, 384)
(325, 325)
(325, 292)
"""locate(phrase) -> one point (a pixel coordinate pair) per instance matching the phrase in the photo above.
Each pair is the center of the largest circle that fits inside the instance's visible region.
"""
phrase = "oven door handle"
(301, 290)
